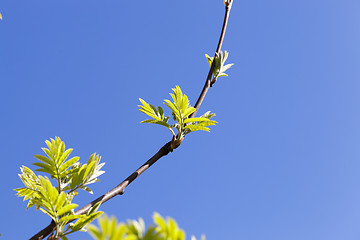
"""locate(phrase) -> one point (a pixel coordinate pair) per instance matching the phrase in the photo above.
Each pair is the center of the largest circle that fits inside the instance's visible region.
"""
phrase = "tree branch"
(208, 82)
(164, 150)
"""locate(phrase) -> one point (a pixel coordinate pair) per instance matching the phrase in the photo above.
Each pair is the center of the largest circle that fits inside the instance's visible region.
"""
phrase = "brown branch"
(164, 150)
(208, 82)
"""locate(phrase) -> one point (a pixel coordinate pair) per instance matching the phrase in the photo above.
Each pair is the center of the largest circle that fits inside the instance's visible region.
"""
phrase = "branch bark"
(208, 82)
(163, 151)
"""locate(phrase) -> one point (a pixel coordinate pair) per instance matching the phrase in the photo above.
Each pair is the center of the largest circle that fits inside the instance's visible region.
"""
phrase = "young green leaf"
(156, 122)
(193, 128)
(219, 65)
(188, 111)
(66, 208)
(181, 110)
(198, 119)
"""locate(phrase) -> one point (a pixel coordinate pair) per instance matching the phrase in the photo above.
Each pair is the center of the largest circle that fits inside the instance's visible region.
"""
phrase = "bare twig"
(164, 150)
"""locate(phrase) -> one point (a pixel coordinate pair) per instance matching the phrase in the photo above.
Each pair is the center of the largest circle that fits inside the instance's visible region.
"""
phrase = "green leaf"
(94, 232)
(150, 114)
(45, 168)
(69, 218)
(112, 228)
(159, 221)
(68, 164)
(87, 189)
(219, 67)
(180, 100)
(64, 155)
(48, 213)
(60, 150)
(104, 224)
(156, 122)
(172, 227)
(60, 201)
(208, 115)
(64, 238)
(198, 119)
(48, 153)
(226, 67)
(161, 112)
(94, 208)
(66, 209)
(89, 169)
(86, 220)
(174, 109)
(154, 110)
(188, 111)
(44, 159)
(194, 128)
(205, 124)
(49, 144)
(222, 75)
(149, 110)
(209, 59)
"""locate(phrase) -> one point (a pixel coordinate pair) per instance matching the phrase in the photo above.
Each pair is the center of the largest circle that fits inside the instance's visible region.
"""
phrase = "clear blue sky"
(283, 162)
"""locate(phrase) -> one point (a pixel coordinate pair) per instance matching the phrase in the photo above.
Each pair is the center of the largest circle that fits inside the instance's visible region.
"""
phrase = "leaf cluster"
(181, 110)
(70, 176)
(163, 229)
(219, 65)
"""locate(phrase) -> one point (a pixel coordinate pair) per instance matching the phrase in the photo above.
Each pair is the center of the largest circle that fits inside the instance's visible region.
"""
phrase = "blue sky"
(283, 161)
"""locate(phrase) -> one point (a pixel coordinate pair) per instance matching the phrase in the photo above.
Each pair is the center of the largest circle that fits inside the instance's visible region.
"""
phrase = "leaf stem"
(172, 131)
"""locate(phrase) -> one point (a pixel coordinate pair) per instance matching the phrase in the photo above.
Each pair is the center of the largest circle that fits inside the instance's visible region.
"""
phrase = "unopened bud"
(228, 3)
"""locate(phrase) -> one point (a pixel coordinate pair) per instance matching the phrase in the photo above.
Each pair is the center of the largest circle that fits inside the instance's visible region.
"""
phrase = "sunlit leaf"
(68, 164)
(193, 128)
(87, 189)
(44, 159)
(86, 220)
(60, 201)
(156, 122)
(210, 59)
(66, 209)
(188, 111)
(69, 217)
(198, 119)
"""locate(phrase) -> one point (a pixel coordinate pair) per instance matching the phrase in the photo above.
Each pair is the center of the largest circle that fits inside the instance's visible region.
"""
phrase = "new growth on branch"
(55, 200)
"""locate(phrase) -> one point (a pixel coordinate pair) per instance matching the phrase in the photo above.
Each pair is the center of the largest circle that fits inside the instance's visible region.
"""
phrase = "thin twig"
(208, 82)
(164, 150)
